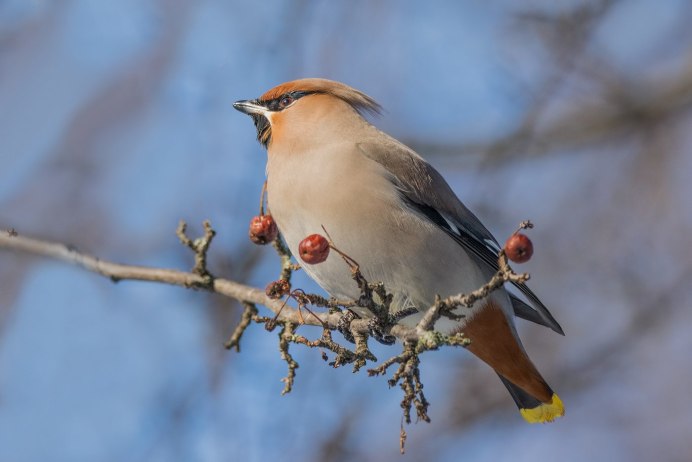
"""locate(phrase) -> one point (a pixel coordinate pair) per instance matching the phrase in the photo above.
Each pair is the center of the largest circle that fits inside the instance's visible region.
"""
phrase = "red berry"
(314, 249)
(263, 229)
(519, 248)
(277, 289)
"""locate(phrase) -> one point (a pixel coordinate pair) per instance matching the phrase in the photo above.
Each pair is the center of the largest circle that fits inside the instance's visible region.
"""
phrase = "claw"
(377, 331)
(344, 325)
(378, 327)
(401, 314)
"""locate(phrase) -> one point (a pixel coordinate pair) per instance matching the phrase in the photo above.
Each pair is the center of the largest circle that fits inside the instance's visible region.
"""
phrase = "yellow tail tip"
(546, 412)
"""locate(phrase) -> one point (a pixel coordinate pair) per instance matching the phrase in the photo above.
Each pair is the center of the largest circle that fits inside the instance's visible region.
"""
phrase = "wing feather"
(426, 192)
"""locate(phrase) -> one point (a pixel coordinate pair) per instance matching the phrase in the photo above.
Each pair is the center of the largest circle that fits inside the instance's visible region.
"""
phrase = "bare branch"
(12, 240)
(287, 267)
(383, 325)
(247, 294)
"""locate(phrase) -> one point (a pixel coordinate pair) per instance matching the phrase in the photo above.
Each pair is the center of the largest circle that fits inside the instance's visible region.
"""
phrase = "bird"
(328, 168)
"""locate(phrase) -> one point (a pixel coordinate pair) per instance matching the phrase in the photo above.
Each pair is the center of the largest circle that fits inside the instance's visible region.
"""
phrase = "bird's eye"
(285, 101)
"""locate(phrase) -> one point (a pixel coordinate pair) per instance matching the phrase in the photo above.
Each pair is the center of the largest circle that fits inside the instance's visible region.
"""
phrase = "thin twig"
(245, 319)
(287, 267)
(285, 337)
(446, 306)
(200, 247)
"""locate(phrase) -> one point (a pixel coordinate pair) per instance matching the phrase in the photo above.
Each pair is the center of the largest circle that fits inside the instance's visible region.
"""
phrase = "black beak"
(249, 107)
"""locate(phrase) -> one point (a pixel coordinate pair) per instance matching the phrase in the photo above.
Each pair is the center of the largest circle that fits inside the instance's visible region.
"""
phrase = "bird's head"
(292, 107)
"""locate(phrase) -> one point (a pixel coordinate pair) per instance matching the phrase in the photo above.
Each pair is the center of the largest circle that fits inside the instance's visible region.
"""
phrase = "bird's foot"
(377, 329)
(344, 325)
(378, 326)
(401, 314)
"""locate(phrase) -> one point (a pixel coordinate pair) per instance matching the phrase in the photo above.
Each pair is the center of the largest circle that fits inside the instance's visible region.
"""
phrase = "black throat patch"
(264, 130)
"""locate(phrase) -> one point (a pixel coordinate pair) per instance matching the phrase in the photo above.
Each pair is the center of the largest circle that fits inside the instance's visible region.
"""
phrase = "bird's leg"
(344, 325)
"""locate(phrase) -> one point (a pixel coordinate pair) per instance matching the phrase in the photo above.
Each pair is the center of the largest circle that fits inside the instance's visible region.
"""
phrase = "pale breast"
(363, 213)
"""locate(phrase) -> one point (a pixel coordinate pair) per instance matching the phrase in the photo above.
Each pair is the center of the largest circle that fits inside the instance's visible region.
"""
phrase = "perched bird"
(394, 214)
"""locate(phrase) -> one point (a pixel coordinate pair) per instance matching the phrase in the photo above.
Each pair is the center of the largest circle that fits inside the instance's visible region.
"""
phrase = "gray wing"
(425, 191)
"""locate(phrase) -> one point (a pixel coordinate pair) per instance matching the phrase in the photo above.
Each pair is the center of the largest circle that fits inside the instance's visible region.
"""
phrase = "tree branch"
(12, 240)
(416, 340)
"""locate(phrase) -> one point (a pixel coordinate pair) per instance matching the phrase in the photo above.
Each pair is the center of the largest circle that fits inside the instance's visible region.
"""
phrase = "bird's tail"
(533, 410)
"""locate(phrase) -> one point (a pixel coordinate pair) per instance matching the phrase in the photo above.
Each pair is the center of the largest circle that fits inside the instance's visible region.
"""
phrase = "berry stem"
(264, 190)
(350, 261)
(526, 224)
